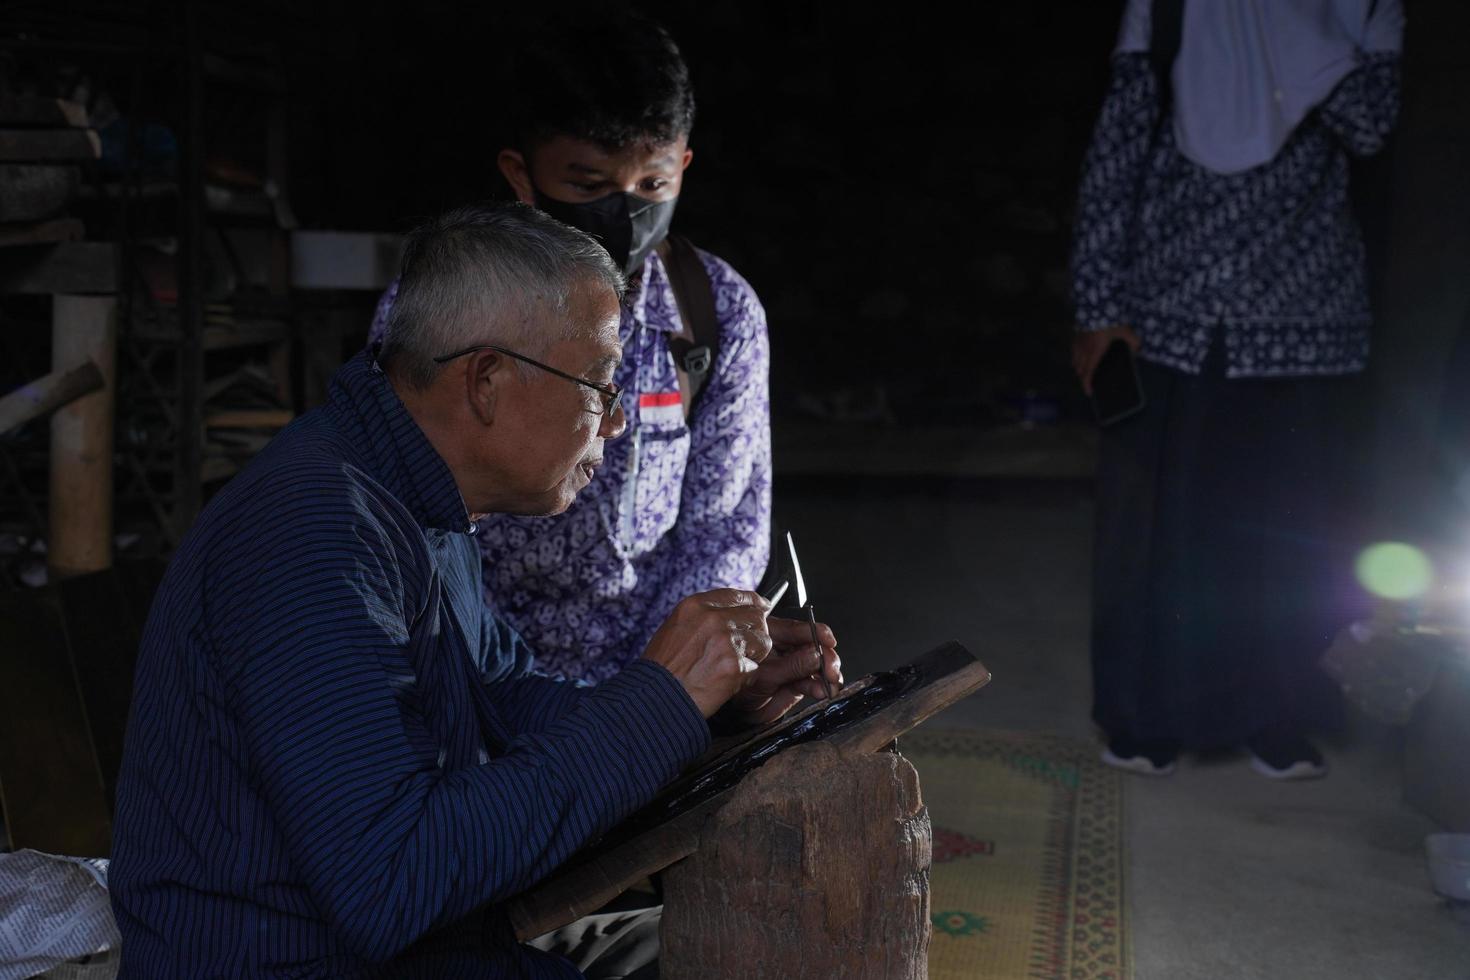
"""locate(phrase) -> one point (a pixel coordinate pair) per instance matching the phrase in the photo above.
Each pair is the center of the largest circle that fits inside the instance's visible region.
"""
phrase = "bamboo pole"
(84, 329)
(45, 395)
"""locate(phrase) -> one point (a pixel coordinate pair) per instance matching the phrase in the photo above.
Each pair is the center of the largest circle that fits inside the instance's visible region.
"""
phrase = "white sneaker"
(1300, 769)
(1140, 764)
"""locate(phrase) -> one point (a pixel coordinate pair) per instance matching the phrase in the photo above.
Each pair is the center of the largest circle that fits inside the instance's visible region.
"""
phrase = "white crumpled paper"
(53, 909)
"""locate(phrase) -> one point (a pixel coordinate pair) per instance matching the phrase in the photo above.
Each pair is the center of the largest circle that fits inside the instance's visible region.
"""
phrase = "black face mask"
(628, 226)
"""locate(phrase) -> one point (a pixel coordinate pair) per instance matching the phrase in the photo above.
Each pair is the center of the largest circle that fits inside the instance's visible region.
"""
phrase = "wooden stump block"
(817, 868)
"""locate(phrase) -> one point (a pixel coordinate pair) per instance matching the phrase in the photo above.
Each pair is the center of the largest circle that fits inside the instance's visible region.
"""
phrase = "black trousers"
(1223, 557)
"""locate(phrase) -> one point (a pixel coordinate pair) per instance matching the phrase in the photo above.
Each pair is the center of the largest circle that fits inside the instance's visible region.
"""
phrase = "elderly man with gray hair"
(339, 762)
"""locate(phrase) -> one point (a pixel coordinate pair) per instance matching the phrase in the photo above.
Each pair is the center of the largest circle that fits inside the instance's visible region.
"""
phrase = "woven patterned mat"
(1028, 876)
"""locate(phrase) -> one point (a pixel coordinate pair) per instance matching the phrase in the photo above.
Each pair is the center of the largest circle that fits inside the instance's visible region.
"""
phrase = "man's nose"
(614, 425)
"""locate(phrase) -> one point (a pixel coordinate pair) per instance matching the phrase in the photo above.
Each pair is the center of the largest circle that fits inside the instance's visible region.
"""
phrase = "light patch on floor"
(1232, 875)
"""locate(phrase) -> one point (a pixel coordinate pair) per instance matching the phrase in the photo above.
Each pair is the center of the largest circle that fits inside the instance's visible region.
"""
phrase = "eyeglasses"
(611, 394)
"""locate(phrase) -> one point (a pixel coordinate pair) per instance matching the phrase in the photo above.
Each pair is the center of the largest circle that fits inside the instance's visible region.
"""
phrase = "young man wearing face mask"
(603, 114)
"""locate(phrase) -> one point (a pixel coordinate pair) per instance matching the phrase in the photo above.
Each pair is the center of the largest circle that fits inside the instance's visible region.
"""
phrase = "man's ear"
(517, 173)
(485, 374)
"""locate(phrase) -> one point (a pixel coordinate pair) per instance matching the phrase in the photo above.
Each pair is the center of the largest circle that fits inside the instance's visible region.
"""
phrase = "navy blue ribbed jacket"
(338, 762)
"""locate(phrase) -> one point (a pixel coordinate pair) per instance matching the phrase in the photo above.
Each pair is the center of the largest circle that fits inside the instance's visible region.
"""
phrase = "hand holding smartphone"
(1117, 392)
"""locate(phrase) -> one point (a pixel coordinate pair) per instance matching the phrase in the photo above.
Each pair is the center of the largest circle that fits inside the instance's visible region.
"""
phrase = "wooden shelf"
(223, 336)
(35, 110)
(41, 232)
(265, 80)
(35, 191)
(70, 267)
(253, 418)
(49, 145)
(113, 190)
(245, 333)
(238, 202)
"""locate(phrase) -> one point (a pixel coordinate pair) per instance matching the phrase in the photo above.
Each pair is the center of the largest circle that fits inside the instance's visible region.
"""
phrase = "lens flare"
(1392, 570)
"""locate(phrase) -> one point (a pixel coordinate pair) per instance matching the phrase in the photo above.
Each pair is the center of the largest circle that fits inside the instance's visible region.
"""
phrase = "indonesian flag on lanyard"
(663, 408)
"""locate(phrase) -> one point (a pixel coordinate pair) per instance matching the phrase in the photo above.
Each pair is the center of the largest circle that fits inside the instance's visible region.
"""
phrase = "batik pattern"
(1270, 257)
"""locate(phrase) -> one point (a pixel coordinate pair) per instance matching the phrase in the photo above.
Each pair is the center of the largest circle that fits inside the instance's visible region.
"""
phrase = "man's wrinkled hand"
(714, 643)
(792, 672)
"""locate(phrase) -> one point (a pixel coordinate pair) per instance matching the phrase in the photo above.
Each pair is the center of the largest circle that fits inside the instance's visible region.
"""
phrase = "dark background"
(896, 182)
(896, 185)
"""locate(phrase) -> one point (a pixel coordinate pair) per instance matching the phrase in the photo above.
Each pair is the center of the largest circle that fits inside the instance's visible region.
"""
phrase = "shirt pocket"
(664, 455)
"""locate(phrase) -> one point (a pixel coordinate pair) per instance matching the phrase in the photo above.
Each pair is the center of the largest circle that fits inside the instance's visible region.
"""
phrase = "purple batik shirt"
(675, 508)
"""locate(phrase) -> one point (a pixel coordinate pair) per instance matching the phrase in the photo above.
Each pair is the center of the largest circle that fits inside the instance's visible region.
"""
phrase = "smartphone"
(1117, 391)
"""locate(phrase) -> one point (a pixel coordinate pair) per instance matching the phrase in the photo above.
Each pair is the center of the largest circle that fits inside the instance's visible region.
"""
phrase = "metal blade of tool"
(796, 570)
(811, 617)
(803, 603)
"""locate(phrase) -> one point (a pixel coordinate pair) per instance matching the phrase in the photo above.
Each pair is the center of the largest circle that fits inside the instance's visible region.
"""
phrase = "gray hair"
(479, 275)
